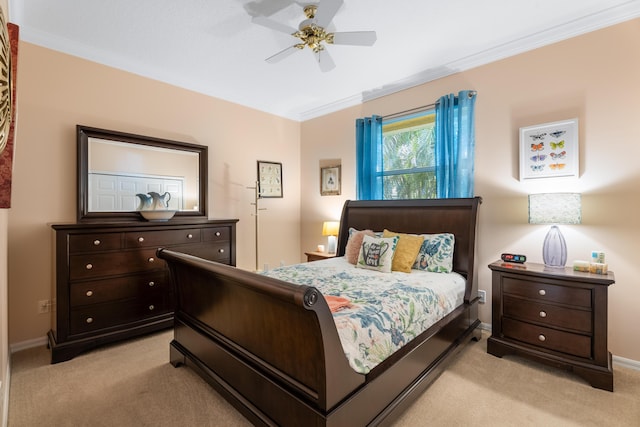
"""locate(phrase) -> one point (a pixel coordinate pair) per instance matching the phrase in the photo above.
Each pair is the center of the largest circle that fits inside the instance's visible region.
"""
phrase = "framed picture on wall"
(269, 179)
(549, 150)
(330, 181)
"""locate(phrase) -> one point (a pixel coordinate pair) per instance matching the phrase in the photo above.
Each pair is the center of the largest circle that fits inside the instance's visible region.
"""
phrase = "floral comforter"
(387, 310)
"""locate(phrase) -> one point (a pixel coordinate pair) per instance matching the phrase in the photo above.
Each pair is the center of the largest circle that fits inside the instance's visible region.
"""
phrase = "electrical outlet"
(483, 296)
(43, 306)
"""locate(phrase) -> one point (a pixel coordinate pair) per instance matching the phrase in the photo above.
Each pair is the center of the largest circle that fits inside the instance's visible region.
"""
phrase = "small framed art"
(330, 181)
(549, 150)
(269, 179)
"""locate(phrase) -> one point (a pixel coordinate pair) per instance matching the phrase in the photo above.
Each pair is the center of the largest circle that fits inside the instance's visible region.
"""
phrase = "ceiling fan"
(312, 33)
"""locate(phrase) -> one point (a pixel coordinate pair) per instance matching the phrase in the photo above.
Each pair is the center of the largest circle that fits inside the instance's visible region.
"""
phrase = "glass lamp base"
(554, 248)
(332, 246)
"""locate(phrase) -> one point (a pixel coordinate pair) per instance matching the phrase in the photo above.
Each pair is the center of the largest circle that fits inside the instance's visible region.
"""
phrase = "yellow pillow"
(406, 251)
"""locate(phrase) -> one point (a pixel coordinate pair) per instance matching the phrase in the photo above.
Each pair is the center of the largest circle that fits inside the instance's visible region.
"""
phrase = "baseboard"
(4, 390)
(626, 363)
(23, 345)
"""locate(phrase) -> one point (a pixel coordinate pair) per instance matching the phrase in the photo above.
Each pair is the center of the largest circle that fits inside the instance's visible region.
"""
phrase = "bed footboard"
(271, 343)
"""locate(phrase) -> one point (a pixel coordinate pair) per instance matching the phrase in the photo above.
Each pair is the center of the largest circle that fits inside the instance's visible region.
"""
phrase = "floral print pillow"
(376, 253)
(436, 253)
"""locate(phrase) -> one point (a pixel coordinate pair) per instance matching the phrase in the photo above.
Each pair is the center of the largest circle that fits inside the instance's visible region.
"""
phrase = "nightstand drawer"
(547, 292)
(539, 336)
(548, 314)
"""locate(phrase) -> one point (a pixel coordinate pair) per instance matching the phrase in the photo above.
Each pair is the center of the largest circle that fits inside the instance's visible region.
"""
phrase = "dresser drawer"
(156, 239)
(539, 336)
(86, 266)
(214, 251)
(119, 288)
(216, 234)
(94, 242)
(547, 292)
(548, 314)
(100, 316)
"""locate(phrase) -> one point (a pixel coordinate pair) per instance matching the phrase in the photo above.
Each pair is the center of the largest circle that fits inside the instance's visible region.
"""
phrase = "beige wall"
(592, 77)
(595, 78)
(57, 91)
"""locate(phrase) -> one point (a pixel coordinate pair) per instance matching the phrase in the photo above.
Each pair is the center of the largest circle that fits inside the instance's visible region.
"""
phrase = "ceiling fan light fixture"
(311, 33)
(310, 11)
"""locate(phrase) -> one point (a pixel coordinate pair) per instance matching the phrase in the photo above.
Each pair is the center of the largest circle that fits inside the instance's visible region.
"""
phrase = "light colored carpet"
(133, 384)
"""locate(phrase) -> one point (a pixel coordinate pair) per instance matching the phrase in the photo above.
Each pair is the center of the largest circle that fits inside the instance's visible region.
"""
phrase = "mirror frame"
(83, 133)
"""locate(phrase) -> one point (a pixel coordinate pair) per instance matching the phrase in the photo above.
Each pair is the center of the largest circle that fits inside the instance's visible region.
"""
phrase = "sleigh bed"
(272, 348)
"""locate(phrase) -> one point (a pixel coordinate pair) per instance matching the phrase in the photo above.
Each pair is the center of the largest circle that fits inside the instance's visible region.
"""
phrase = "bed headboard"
(427, 216)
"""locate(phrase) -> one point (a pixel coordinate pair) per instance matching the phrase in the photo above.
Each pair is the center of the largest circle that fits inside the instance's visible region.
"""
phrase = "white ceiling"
(212, 47)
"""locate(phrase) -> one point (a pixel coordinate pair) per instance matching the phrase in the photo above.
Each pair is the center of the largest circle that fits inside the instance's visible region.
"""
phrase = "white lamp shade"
(330, 228)
(555, 208)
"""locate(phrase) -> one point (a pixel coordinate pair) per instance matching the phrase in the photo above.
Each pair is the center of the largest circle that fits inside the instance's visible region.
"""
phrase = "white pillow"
(376, 253)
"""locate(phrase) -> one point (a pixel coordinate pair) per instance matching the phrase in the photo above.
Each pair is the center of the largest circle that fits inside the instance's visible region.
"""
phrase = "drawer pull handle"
(88, 266)
(189, 236)
(542, 292)
(152, 284)
(152, 259)
(97, 242)
(218, 234)
(542, 338)
(140, 239)
(89, 320)
(543, 314)
(151, 307)
(89, 293)
(221, 251)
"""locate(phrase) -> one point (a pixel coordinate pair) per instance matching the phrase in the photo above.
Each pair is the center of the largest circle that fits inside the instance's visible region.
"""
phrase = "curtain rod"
(419, 109)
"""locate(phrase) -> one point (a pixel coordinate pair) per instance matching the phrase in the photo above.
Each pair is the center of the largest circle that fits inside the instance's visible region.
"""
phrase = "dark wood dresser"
(553, 315)
(109, 284)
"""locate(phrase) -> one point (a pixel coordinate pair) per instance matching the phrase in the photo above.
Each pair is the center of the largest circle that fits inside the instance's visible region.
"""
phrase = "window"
(418, 156)
(408, 157)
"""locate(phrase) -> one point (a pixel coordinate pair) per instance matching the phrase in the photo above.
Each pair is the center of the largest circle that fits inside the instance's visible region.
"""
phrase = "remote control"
(513, 258)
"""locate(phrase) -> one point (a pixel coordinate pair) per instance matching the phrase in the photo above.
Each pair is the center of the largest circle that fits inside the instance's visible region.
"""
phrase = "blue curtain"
(369, 158)
(455, 145)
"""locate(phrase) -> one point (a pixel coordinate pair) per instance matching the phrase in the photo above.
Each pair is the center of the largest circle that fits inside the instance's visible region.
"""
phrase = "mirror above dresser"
(114, 167)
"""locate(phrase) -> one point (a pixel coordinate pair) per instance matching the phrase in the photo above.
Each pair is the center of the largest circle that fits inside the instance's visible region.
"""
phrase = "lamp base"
(554, 248)
(332, 246)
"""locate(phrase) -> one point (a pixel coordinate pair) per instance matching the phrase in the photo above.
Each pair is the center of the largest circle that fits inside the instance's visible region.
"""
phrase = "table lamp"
(330, 229)
(555, 208)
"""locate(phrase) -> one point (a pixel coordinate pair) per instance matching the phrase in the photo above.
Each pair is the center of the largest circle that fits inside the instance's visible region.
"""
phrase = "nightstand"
(552, 315)
(317, 256)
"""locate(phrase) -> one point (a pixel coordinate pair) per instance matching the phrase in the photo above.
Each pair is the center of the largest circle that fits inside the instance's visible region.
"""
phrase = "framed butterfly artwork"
(549, 150)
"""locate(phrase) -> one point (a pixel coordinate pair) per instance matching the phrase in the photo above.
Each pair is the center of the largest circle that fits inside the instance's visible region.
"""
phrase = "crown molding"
(587, 24)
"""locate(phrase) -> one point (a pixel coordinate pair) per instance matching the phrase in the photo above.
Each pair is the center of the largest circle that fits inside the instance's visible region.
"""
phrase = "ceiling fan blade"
(266, 8)
(273, 25)
(281, 55)
(356, 38)
(325, 61)
(327, 9)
